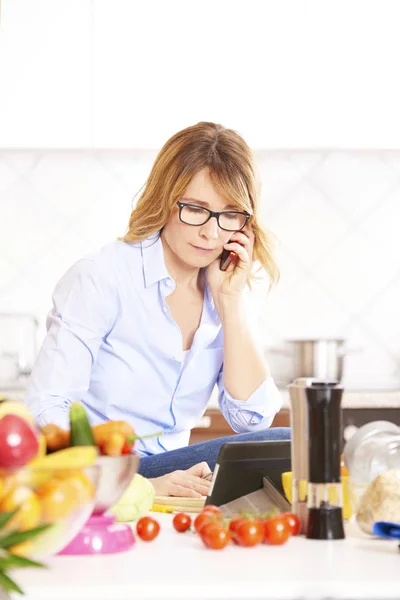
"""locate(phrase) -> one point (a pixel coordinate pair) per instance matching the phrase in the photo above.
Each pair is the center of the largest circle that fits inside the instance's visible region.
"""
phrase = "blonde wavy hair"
(231, 166)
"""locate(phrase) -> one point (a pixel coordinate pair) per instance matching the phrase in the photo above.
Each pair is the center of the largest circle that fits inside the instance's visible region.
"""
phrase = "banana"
(76, 457)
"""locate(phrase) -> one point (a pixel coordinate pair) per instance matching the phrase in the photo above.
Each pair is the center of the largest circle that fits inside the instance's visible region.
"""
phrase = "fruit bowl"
(62, 498)
(101, 535)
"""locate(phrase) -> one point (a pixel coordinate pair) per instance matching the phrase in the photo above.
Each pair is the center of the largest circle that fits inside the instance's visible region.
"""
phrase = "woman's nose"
(210, 229)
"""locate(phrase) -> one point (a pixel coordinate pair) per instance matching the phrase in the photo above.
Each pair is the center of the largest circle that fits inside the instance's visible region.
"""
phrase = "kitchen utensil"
(319, 358)
(373, 449)
(299, 447)
(101, 535)
(324, 494)
(181, 504)
(372, 457)
(287, 484)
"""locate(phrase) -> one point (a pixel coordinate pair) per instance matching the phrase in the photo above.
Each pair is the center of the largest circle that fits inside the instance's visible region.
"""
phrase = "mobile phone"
(227, 257)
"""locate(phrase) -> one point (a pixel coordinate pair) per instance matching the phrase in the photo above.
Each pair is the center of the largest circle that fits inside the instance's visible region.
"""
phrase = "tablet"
(242, 466)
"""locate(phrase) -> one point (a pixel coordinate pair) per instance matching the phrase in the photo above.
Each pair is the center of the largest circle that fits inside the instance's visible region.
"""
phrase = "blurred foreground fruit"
(19, 442)
(29, 511)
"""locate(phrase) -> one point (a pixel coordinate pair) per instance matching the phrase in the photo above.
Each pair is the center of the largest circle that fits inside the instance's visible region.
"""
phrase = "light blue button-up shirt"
(112, 344)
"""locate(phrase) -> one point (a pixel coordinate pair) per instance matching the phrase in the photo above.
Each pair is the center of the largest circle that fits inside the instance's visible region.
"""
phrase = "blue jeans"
(184, 458)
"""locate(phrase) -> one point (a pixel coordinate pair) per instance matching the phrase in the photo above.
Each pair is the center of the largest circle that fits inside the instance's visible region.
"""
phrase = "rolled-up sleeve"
(254, 414)
(85, 307)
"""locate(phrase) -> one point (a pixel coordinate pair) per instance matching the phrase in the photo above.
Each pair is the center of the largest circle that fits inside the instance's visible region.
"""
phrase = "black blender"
(324, 497)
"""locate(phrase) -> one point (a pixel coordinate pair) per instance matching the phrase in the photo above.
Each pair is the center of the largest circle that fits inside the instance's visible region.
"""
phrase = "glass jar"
(372, 458)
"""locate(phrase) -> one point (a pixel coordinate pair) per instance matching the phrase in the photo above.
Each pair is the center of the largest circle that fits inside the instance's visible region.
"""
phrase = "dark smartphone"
(227, 257)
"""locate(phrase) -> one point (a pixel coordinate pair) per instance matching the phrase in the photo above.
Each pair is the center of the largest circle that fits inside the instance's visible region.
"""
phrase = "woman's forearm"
(245, 367)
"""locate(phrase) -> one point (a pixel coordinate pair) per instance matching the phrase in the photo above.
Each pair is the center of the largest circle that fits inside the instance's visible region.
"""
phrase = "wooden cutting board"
(194, 505)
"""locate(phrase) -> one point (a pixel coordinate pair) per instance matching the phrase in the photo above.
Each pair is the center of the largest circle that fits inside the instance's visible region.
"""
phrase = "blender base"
(101, 535)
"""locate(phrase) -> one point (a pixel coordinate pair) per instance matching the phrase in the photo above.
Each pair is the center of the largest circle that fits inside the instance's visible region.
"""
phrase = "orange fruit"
(58, 499)
(84, 488)
(29, 513)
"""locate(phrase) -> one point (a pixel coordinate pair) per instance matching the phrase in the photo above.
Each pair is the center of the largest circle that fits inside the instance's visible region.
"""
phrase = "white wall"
(335, 215)
(129, 73)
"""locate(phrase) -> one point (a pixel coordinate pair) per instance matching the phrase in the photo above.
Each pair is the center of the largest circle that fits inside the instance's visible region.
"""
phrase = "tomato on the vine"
(182, 522)
(294, 522)
(206, 517)
(234, 524)
(215, 536)
(211, 508)
(147, 529)
(250, 532)
(276, 531)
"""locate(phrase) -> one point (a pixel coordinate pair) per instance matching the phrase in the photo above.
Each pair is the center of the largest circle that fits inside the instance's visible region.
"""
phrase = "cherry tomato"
(250, 532)
(204, 518)
(211, 508)
(19, 442)
(233, 526)
(181, 522)
(215, 536)
(294, 522)
(276, 531)
(147, 529)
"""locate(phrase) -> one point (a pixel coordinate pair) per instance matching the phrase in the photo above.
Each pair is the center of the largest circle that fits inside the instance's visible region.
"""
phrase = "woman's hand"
(189, 483)
(230, 283)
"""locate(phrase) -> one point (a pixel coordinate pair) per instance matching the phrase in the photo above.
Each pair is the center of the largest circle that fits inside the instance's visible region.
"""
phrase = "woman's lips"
(203, 250)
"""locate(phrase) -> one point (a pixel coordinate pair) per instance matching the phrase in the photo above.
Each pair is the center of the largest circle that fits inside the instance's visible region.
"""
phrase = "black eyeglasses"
(228, 220)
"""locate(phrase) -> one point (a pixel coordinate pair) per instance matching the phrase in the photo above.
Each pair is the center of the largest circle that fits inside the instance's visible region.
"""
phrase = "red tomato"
(211, 508)
(215, 536)
(250, 532)
(294, 522)
(276, 531)
(19, 443)
(147, 529)
(233, 526)
(181, 522)
(204, 518)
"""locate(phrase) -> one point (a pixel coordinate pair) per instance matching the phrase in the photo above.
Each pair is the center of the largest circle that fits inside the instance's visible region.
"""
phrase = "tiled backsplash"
(335, 215)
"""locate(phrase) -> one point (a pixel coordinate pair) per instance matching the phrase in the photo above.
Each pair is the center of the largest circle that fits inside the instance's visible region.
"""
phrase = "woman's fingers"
(183, 492)
(201, 469)
(192, 482)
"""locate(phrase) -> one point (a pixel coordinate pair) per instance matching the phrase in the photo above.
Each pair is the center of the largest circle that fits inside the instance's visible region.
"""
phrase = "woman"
(143, 329)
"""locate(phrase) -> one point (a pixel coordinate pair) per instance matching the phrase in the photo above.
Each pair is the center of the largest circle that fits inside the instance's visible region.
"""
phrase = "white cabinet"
(46, 51)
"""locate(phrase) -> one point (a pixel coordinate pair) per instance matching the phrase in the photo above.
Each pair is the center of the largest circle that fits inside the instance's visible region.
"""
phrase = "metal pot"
(322, 359)
(317, 358)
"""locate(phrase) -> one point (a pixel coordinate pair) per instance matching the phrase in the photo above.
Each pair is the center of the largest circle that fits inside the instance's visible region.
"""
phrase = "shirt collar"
(154, 268)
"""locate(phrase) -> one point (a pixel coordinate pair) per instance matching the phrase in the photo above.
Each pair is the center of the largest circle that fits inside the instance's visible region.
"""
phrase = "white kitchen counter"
(178, 566)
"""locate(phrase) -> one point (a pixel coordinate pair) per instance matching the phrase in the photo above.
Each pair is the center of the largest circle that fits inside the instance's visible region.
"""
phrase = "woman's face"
(198, 246)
